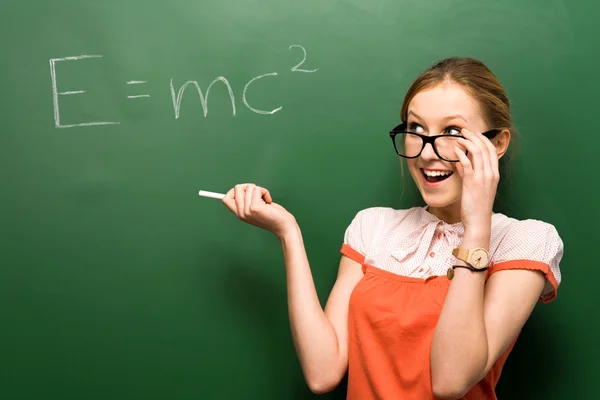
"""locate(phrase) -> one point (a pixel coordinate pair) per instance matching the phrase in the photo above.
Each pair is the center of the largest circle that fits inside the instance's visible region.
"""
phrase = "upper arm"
(510, 297)
(357, 242)
(336, 309)
(525, 270)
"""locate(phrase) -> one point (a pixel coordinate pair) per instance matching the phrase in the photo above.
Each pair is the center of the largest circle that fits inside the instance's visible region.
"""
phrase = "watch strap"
(470, 267)
(450, 273)
(461, 254)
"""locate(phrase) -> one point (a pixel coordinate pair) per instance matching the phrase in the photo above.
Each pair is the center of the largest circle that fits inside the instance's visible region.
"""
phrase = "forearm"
(314, 337)
(459, 351)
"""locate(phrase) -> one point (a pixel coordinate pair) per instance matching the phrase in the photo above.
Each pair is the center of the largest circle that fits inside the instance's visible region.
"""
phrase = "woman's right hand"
(254, 205)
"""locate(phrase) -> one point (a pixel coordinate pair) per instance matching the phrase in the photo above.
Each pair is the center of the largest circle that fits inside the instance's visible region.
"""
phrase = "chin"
(438, 195)
(439, 200)
(441, 197)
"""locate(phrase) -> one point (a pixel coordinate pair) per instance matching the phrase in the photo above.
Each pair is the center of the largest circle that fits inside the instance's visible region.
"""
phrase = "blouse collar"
(417, 243)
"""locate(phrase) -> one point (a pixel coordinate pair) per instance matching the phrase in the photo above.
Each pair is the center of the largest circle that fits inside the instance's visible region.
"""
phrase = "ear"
(501, 141)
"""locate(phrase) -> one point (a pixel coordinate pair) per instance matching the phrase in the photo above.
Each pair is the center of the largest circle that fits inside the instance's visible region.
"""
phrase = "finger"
(459, 167)
(266, 195)
(250, 189)
(473, 153)
(487, 158)
(229, 201)
(257, 199)
(474, 147)
(493, 154)
(483, 142)
(239, 200)
(465, 167)
(475, 138)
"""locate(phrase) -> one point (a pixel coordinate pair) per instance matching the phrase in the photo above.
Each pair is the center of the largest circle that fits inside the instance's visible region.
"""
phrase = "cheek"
(412, 167)
(411, 162)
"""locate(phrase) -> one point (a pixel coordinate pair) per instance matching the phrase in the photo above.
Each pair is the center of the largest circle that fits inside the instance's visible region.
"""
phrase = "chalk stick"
(213, 195)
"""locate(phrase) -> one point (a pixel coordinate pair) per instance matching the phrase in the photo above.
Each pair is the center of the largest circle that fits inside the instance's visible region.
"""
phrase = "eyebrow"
(450, 117)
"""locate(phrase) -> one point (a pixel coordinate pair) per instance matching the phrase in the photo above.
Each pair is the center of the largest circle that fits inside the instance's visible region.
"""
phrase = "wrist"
(478, 224)
(289, 232)
(469, 255)
(479, 234)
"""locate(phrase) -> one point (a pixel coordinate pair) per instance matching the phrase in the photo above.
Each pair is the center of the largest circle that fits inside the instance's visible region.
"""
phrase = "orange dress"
(394, 308)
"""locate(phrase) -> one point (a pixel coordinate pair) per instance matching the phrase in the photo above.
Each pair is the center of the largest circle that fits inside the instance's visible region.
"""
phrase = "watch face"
(480, 259)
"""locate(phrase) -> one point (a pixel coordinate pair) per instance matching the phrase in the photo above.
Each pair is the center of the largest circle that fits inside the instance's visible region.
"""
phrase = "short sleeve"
(354, 245)
(533, 245)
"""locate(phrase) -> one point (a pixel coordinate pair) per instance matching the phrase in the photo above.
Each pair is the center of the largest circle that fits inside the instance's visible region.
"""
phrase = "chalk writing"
(203, 99)
(246, 101)
(295, 68)
(138, 96)
(56, 93)
(176, 95)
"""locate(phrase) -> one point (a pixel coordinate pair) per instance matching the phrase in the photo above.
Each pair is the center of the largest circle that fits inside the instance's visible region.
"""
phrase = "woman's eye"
(414, 127)
(453, 130)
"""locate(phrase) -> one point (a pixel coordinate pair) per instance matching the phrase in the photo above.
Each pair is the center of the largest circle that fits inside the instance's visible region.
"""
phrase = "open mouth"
(436, 176)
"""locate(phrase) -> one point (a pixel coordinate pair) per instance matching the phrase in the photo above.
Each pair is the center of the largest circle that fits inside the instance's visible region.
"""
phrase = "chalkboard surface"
(118, 282)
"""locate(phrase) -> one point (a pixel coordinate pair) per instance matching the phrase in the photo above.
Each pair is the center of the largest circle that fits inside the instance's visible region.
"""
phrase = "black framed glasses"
(410, 144)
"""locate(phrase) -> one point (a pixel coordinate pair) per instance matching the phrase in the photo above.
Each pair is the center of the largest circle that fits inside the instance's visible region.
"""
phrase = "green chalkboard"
(118, 282)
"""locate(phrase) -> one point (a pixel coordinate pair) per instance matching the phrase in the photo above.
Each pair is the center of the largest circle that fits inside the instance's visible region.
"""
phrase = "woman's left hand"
(480, 175)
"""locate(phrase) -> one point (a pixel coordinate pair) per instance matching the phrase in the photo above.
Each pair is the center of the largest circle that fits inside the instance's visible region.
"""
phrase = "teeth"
(436, 173)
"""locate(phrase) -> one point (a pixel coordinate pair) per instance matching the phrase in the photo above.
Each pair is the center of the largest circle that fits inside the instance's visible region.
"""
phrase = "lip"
(434, 184)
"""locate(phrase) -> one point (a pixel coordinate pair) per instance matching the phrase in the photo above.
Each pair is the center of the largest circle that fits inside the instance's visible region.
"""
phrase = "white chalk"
(213, 195)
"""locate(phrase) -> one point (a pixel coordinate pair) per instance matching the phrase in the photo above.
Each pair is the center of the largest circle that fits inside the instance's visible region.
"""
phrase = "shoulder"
(528, 244)
(530, 239)
(380, 216)
(371, 224)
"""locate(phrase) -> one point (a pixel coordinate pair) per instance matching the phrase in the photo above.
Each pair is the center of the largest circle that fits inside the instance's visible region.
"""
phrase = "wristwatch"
(478, 258)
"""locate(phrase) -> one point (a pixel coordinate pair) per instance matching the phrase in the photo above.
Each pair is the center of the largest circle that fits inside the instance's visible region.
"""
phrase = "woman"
(428, 301)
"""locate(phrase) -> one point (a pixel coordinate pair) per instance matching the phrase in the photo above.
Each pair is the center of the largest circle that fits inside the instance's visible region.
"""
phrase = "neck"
(450, 214)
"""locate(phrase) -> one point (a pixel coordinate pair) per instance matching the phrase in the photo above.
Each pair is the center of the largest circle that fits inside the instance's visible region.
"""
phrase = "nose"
(428, 153)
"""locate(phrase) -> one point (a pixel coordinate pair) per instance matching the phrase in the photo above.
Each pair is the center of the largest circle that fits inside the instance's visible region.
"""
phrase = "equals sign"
(139, 95)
